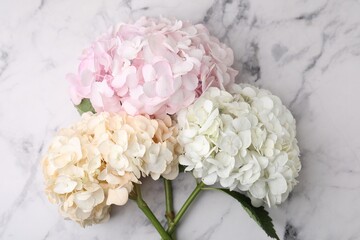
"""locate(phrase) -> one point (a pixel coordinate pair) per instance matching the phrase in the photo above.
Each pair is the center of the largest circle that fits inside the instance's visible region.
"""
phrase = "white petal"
(258, 189)
(278, 185)
(267, 102)
(210, 179)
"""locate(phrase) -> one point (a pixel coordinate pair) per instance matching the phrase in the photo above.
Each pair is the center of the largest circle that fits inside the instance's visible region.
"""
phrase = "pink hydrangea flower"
(155, 66)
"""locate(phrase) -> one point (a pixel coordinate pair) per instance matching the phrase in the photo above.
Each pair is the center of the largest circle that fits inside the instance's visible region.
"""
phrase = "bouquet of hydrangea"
(159, 97)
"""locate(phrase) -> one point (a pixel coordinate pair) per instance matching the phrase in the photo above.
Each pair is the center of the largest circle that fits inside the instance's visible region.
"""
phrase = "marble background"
(307, 52)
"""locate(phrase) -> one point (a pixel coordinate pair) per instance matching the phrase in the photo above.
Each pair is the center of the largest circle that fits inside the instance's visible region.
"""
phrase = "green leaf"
(85, 106)
(260, 215)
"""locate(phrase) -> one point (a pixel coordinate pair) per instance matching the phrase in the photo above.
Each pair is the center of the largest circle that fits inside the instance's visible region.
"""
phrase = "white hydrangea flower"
(94, 163)
(244, 139)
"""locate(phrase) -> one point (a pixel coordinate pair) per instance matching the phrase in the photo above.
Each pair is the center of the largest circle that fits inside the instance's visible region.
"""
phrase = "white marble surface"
(307, 52)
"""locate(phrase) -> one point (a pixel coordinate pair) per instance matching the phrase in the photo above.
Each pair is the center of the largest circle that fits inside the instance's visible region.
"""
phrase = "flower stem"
(149, 214)
(169, 213)
(186, 205)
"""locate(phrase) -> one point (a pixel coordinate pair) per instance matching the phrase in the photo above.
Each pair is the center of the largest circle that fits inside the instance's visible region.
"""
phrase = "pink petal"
(180, 68)
(135, 93)
(148, 72)
(87, 61)
(129, 52)
(175, 101)
(156, 44)
(163, 87)
(189, 98)
(87, 78)
(111, 104)
(121, 92)
(171, 44)
(75, 98)
(152, 109)
(77, 90)
(96, 100)
(163, 68)
(118, 81)
(190, 81)
(177, 82)
(149, 89)
(102, 58)
(100, 95)
(127, 75)
(131, 79)
(129, 108)
(104, 89)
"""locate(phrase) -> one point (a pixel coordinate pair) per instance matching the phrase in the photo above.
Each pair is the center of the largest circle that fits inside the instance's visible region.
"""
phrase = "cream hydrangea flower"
(94, 163)
(243, 139)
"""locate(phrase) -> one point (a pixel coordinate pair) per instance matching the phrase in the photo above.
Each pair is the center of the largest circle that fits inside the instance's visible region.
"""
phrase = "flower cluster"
(162, 94)
(155, 66)
(94, 163)
(244, 139)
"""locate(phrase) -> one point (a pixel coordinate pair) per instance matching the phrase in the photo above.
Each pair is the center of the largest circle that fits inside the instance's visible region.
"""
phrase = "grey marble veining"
(307, 52)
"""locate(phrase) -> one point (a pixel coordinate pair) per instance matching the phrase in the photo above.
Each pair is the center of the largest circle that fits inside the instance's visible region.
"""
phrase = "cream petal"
(99, 196)
(81, 214)
(117, 196)
(84, 201)
(64, 185)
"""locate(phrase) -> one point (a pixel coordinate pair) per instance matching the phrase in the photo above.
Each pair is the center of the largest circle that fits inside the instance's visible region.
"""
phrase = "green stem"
(149, 214)
(169, 213)
(186, 205)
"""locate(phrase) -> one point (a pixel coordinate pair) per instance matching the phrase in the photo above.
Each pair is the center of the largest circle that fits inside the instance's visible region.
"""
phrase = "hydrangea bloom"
(243, 139)
(94, 163)
(154, 66)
